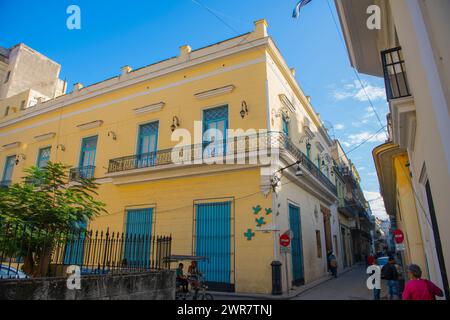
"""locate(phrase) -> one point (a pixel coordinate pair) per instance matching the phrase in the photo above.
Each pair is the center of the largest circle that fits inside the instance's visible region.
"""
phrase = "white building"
(412, 52)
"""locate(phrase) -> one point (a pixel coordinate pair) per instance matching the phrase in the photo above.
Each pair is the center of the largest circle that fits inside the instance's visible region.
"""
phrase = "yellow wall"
(407, 218)
(172, 198)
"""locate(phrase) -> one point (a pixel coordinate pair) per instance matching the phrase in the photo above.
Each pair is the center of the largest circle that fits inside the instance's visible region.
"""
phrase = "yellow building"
(122, 131)
(396, 188)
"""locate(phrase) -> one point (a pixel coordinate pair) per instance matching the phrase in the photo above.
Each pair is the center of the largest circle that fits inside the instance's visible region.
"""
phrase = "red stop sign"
(399, 236)
(285, 240)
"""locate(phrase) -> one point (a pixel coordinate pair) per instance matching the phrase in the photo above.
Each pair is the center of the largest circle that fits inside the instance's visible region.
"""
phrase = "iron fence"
(26, 251)
(86, 172)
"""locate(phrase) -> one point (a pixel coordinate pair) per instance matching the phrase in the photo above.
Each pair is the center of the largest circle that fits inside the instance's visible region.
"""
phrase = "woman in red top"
(420, 289)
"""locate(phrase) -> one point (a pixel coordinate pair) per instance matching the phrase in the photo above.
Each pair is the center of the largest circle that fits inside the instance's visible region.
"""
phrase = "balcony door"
(87, 157)
(43, 157)
(147, 145)
(9, 167)
(215, 126)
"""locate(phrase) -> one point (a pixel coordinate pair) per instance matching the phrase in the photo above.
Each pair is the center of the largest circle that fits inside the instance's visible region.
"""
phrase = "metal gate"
(213, 240)
(297, 251)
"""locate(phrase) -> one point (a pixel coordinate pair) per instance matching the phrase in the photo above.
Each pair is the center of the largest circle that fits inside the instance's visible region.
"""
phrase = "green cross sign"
(249, 234)
(257, 209)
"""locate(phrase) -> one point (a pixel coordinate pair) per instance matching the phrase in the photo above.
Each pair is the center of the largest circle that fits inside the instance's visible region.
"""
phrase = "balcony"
(5, 183)
(77, 174)
(200, 154)
(395, 77)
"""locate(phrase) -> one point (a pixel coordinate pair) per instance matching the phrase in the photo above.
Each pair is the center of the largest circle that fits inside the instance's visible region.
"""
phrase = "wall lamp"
(175, 123)
(24, 157)
(306, 139)
(113, 135)
(244, 110)
(61, 147)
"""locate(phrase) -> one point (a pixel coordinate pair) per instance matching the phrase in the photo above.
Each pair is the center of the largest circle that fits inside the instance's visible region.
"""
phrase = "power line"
(354, 71)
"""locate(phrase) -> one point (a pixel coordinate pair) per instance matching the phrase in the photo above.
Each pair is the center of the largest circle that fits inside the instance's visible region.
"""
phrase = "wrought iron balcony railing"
(395, 76)
(268, 143)
(82, 173)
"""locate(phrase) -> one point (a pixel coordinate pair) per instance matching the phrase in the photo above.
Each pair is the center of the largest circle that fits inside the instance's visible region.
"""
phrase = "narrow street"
(349, 286)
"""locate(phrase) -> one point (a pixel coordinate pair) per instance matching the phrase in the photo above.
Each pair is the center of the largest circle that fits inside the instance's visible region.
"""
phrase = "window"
(8, 171)
(7, 76)
(7, 111)
(43, 157)
(215, 126)
(147, 144)
(22, 105)
(319, 244)
(87, 158)
(285, 126)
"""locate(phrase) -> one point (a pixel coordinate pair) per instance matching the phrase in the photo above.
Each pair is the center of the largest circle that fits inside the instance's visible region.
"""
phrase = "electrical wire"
(355, 72)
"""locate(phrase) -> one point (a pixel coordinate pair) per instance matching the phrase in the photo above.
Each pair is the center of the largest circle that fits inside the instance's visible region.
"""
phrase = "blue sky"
(115, 33)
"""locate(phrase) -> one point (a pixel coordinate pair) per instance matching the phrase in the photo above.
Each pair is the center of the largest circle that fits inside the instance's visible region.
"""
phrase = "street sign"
(399, 236)
(400, 247)
(285, 240)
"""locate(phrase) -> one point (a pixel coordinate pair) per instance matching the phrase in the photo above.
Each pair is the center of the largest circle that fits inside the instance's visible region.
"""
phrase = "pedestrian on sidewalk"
(376, 292)
(370, 260)
(418, 288)
(389, 273)
(332, 264)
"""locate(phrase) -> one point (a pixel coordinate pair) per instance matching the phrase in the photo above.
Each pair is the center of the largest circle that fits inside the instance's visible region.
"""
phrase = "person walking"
(376, 292)
(390, 274)
(420, 289)
(370, 260)
(332, 264)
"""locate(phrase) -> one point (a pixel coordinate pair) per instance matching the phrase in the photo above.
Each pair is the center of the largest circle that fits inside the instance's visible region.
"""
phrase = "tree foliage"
(47, 201)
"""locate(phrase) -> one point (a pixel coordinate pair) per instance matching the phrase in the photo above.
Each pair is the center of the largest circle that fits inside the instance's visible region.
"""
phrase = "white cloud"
(339, 126)
(358, 138)
(376, 204)
(357, 92)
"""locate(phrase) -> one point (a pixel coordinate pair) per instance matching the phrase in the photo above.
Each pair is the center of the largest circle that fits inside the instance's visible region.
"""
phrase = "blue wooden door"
(74, 251)
(138, 237)
(147, 145)
(213, 241)
(296, 245)
(8, 171)
(87, 157)
(215, 125)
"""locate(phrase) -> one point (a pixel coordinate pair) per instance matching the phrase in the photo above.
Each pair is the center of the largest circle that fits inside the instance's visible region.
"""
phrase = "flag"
(299, 6)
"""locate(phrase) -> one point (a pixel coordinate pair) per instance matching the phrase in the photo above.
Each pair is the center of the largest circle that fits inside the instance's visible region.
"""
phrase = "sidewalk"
(292, 294)
(349, 286)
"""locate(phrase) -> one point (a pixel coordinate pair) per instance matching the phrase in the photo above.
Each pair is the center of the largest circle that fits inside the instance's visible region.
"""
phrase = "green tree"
(48, 202)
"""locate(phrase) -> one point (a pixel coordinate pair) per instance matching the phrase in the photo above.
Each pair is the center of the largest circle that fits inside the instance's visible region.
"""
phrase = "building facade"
(126, 131)
(412, 52)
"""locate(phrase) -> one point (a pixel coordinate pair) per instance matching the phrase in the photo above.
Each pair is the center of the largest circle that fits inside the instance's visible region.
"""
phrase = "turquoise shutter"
(138, 237)
(296, 244)
(147, 144)
(87, 158)
(43, 157)
(9, 168)
(213, 241)
(215, 119)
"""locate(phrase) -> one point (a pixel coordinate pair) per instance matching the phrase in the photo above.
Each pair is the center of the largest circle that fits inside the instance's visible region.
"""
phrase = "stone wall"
(145, 286)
